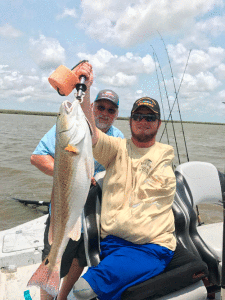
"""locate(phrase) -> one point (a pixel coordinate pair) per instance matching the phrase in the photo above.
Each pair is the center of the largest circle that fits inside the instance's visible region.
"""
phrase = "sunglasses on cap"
(148, 118)
(111, 111)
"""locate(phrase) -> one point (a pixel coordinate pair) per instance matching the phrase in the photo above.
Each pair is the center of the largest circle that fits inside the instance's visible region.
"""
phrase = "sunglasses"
(111, 111)
(148, 118)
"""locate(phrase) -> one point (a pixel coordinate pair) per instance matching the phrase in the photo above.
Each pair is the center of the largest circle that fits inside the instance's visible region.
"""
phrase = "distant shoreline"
(52, 114)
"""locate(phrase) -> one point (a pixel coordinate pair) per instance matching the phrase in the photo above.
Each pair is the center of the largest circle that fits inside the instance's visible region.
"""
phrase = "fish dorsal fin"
(76, 231)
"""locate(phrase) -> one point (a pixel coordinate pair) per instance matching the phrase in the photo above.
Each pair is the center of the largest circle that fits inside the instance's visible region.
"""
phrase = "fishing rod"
(177, 92)
(160, 93)
(176, 95)
(168, 105)
(26, 202)
(176, 99)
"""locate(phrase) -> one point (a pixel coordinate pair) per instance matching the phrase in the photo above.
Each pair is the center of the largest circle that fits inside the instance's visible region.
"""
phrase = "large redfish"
(73, 169)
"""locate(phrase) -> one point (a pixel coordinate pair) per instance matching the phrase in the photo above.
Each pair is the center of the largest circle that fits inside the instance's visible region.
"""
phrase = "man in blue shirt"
(105, 109)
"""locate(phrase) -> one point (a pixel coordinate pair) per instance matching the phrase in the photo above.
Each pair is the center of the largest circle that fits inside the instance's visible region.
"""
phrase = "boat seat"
(211, 234)
(199, 182)
(185, 269)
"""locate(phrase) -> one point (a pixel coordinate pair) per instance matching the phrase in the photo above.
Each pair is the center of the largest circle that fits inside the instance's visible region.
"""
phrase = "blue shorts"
(124, 264)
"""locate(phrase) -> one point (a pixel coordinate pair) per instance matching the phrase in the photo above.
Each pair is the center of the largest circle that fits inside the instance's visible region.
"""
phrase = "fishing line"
(176, 98)
(160, 93)
(169, 106)
(176, 93)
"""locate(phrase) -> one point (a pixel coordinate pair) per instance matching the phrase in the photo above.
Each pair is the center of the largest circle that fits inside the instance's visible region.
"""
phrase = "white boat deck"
(23, 244)
(13, 285)
(20, 255)
(21, 249)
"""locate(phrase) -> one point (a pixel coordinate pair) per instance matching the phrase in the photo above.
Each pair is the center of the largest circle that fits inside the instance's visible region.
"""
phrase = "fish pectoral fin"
(76, 231)
(71, 148)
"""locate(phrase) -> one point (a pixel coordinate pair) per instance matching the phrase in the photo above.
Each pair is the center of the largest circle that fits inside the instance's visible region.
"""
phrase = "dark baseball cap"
(148, 102)
(108, 95)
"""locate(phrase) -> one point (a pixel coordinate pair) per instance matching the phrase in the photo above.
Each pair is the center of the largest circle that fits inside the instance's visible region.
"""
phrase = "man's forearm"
(86, 70)
(86, 106)
(45, 163)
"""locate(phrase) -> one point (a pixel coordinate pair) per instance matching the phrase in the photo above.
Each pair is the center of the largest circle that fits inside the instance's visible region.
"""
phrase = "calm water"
(20, 134)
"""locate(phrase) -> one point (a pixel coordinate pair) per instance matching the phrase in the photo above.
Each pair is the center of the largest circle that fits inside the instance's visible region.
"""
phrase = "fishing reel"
(63, 81)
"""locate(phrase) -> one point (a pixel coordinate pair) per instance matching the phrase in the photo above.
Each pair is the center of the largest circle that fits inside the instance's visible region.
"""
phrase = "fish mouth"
(68, 106)
(65, 111)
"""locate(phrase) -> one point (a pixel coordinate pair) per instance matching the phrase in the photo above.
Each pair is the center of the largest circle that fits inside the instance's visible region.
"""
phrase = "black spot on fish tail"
(47, 261)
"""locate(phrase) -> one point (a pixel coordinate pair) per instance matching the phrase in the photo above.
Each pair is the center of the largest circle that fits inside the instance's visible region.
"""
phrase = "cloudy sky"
(123, 41)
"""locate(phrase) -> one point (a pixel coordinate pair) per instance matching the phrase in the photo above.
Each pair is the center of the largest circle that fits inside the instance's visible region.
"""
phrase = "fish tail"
(47, 278)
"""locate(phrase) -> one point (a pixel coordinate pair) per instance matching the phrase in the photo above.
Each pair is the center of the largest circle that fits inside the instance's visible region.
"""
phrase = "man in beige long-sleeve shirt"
(137, 223)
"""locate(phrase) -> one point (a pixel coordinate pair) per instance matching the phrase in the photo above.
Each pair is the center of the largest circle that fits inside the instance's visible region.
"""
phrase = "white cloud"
(9, 31)
(202, 82)
(120, 79)
(118, 70)
(23, 99)
(199, 60)
(21, 87)
(214, 26)
(26, 91)
(47, 52)
(14, 78)
(99, 60)
(203, 31)
(3, 67)
(196, 91)
(139, 91)
(221, 95)
(220, 71)
(68, 13)
(127, 23)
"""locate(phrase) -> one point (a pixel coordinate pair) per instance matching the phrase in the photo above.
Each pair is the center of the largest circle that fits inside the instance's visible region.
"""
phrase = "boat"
(195, 272)
(20, 255)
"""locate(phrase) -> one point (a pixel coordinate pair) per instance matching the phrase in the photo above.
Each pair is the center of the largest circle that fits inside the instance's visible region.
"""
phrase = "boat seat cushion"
(184, 269)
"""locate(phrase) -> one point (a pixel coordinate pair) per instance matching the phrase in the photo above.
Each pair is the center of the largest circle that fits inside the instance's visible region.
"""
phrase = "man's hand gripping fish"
(73, 169)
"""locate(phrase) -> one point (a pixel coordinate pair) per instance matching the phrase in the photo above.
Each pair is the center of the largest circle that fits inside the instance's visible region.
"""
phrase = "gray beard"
(102, 126)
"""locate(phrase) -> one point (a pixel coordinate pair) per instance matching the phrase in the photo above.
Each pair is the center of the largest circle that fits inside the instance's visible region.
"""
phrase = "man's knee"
(82, 290)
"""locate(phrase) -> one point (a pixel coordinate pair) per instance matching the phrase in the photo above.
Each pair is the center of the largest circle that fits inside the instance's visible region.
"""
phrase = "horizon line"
(54, 114)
